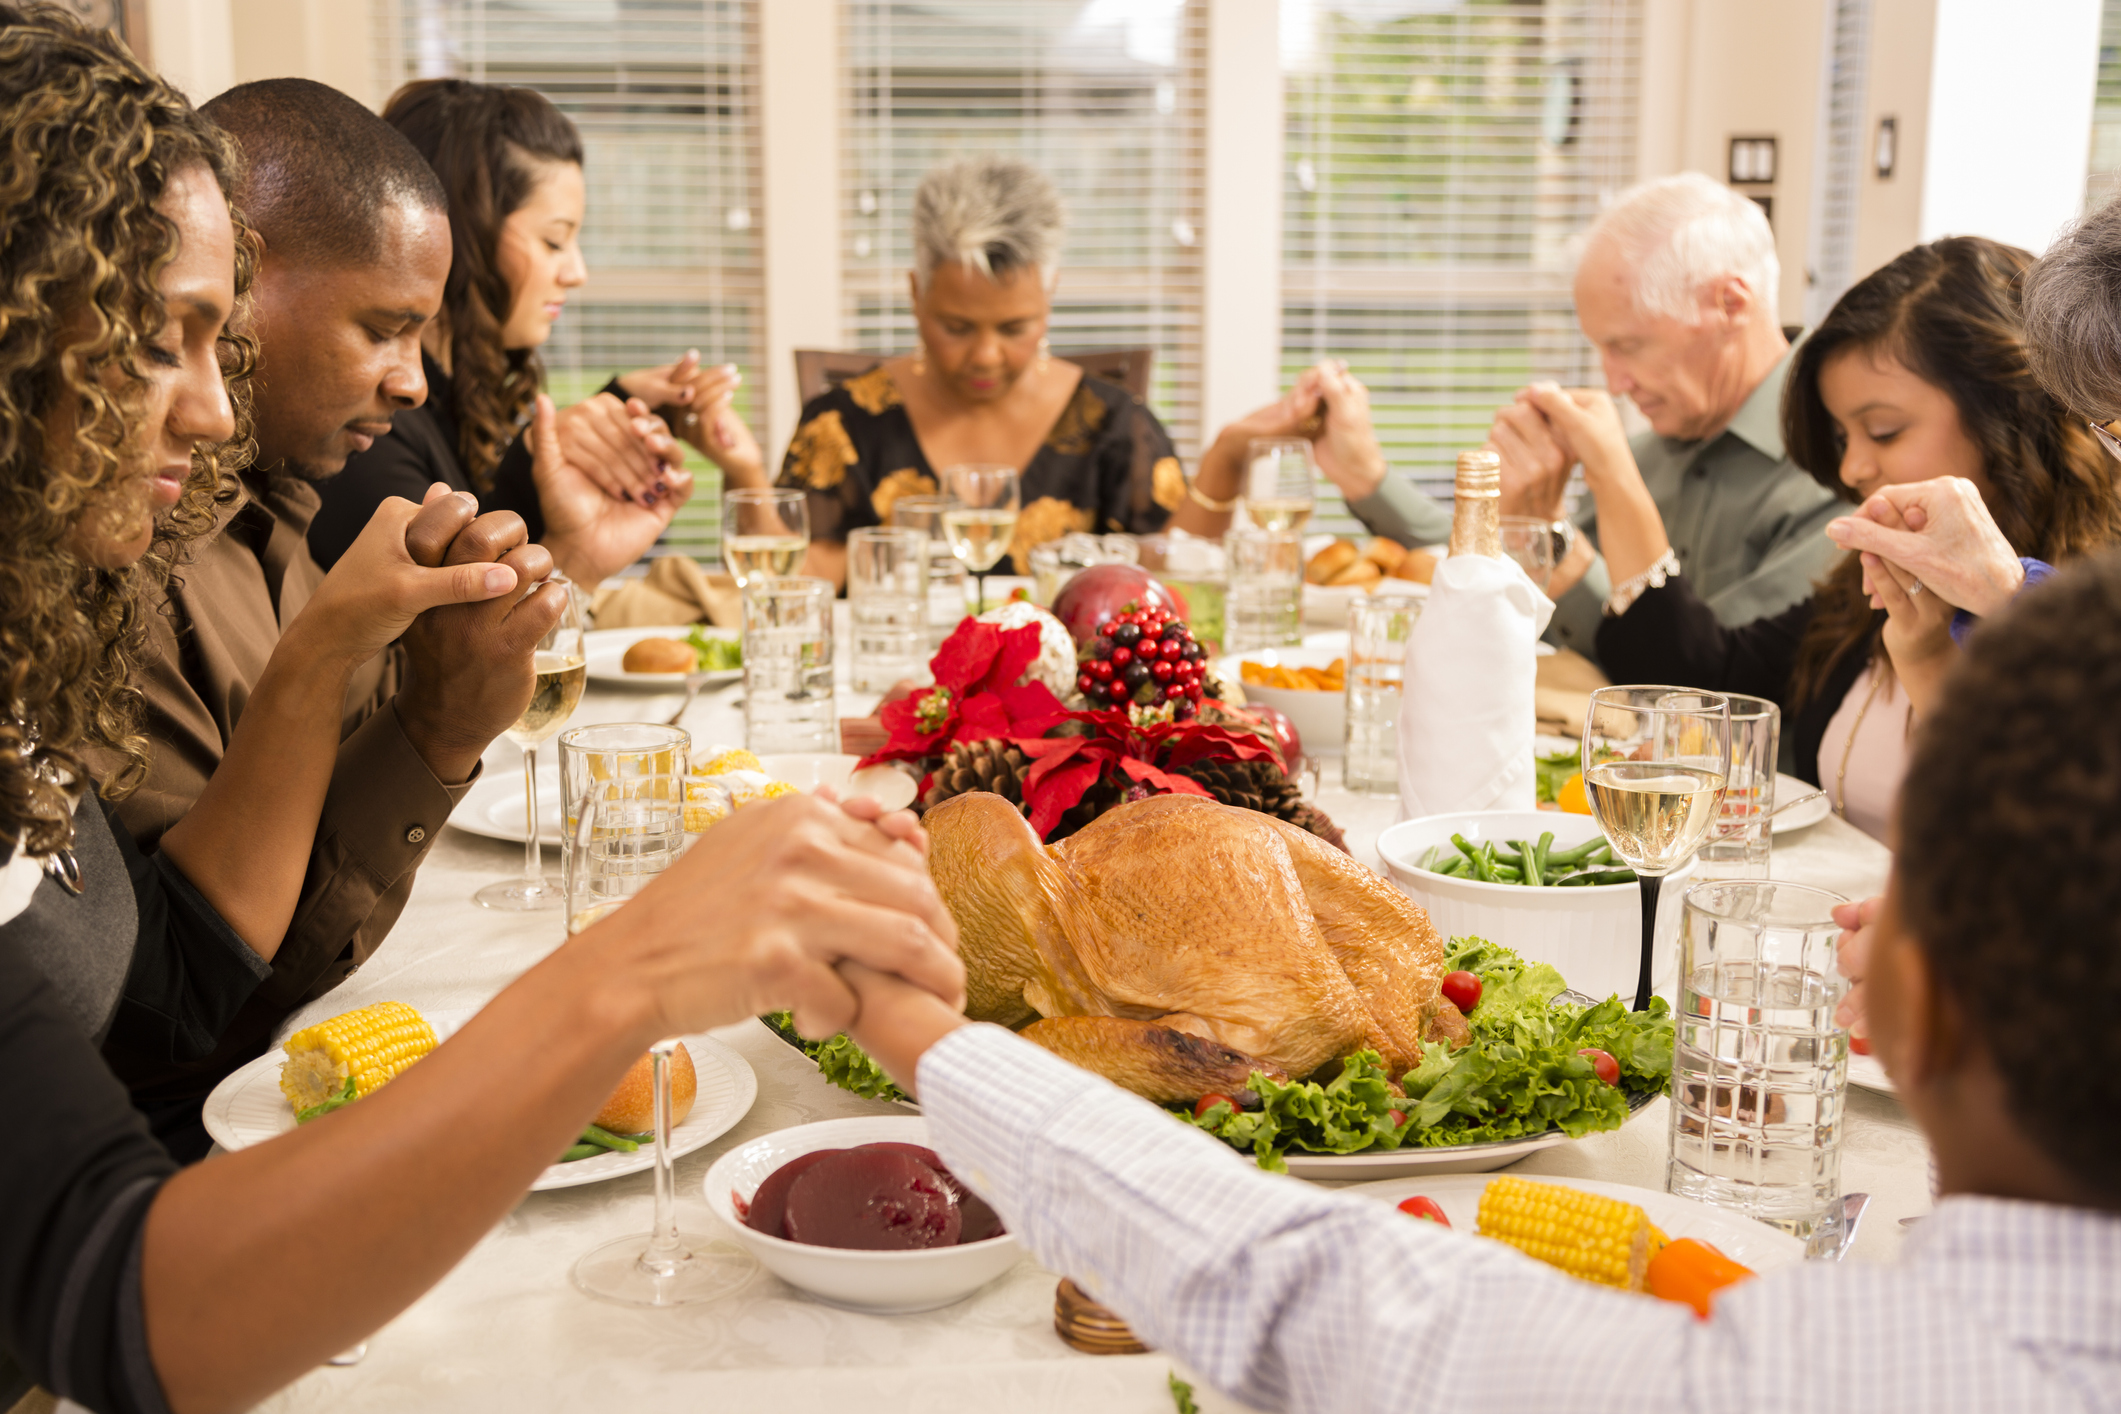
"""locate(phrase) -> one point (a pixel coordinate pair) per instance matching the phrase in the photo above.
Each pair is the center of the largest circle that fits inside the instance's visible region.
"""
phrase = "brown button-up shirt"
(384, 807)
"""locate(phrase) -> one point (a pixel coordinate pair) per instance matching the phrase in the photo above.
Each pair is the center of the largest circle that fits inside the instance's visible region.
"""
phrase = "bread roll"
(1357, 572)
(631, 1108)
(1418, 565)
(1387, 554)
(660, 655)
(1330, 561)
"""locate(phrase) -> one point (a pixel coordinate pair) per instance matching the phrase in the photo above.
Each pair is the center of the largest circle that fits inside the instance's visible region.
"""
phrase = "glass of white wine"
(562, 670)
(1655, 762)
(764, 533)
(983, 522)
(1281, 481)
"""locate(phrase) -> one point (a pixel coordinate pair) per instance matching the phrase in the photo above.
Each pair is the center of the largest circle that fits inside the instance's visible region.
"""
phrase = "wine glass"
(1280, 482)
(765, 531)
(1655, 762)
(1530, 541)
(983, 522)
(562, 670)
(624, 790)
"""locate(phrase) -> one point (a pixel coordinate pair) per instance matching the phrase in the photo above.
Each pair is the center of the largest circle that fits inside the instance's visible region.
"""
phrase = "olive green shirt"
(1747, 523)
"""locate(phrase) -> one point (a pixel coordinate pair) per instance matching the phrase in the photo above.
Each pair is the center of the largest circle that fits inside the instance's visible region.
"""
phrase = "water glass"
(946, 572)
(622, 788)
(1378, 626)
(1196, 569)
(1759, 1069)
(788, 690)
(1264, 605)
(1739, 844)
(887, 585)
(1058, 561)
(1530, 541)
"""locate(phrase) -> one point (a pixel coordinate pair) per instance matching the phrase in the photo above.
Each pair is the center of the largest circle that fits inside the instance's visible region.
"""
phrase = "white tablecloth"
(506, 1331)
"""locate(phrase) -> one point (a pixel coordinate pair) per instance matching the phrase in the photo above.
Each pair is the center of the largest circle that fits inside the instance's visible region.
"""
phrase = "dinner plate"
(1868, 1072)
(1789, 788)
(1753, 1244)
(493, 807)
(1445, 1159)
(247, 1107)
(605, 648)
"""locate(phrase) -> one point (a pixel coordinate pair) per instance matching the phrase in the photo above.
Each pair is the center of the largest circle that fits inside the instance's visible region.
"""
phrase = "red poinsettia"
(976, 695)
(1152, 759)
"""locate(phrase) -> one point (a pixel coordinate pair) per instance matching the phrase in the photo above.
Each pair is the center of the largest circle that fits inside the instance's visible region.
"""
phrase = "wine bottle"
(1476, 507)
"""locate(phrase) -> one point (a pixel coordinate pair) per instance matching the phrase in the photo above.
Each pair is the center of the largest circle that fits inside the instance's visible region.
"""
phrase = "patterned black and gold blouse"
(1107, 464)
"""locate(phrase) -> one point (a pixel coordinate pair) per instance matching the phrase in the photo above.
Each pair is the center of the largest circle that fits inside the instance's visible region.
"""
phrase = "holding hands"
(699, 403)
(592, 529)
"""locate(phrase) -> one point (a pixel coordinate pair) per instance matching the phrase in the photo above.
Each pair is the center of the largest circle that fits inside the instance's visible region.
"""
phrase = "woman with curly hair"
(126, 1285)
(1919, 372)
(512, 165)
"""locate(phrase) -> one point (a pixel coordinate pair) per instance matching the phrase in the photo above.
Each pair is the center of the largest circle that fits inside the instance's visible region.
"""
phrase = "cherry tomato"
(1422, 1206)
(1209, 1101)
(1398, 1117)
(1463, 990)
(1860, 1045)
(1608, 1069)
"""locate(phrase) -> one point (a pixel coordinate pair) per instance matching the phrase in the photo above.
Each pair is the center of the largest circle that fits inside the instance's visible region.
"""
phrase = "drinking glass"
(1739, 846)
(562, 671)
(1280, 482)
(1264, 605)
(764, 533)
(1759, 1069)
(1654, 763)
(1197, 569)
(623, 791)
(946, 573)
(1056, 562)
(1378, 625)
(788, 691)
(1530, 541)
(887, 568)
(983, 522)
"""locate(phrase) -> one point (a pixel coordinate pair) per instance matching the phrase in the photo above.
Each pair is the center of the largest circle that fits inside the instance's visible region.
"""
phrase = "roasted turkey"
(1175, 945)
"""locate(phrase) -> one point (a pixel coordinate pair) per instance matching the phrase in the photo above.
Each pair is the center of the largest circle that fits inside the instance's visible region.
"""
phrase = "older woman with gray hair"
(983, 385)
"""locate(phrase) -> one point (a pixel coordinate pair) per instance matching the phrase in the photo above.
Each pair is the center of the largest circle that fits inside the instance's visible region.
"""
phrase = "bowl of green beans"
(1540, 881)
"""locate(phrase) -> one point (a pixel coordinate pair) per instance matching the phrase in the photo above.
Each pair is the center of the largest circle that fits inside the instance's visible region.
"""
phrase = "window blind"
(664, 92)
(2103, 179)
(1845, 151)
(1105, 97)
(1438, 158)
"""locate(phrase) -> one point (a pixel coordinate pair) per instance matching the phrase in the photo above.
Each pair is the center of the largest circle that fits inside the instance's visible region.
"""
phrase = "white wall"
(1241, 261)
(2010, 118)
(192, 44)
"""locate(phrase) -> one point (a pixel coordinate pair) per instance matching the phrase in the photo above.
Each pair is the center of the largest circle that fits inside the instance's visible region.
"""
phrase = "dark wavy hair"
(1951, 313)
(487, 143)
(89, 141)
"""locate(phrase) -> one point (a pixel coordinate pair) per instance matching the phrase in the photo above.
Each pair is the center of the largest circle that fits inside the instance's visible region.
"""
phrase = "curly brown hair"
(92, 140)
(488, 144)
(2010, 858)
(1950, 312)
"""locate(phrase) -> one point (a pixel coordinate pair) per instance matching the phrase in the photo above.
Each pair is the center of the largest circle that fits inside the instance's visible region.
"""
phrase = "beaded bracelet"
(1629, 590)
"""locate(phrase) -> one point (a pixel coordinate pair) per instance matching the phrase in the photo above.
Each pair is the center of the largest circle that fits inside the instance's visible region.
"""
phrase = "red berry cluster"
(1143, 656)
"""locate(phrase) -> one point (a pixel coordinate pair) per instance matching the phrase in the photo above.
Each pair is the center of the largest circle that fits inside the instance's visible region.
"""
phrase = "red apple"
(1285, 735)
(1098, 594)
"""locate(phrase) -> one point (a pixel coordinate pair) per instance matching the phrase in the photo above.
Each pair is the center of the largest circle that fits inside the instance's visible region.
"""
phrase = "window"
(1104, 97)
(2104, 178)
(1436, 162)
(663, 92)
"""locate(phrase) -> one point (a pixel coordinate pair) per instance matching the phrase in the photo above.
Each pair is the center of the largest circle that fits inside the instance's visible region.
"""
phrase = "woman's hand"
(699, 404)
(1859, 925)
(1938, 532)
(1918, 625)
(622, 449)
(590, 532)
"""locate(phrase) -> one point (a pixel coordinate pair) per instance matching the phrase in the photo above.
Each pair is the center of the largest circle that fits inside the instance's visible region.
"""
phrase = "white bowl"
(1592, 936)
(1321, 717)
(885, 1282)
(1326, 605)
(807, 770)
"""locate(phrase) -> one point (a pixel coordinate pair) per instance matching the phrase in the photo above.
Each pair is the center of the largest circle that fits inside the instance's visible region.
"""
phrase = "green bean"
(1609, 876)
(1505, 854)
(1576, 854)
(1531, 864)
(1455, 866)
(1428, 860)
(1467, 850)
(582, 1151)
(605, 1139)
(1545, 847)
(1601, 855)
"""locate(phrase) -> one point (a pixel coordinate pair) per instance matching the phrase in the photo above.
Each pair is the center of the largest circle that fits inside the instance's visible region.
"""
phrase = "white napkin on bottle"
(1465, 710)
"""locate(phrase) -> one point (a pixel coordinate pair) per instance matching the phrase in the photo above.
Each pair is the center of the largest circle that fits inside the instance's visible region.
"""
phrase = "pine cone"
(979, 765)
(1261, 786)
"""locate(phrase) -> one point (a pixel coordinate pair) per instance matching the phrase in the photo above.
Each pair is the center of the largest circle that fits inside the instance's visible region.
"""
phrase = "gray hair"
(2073, 315)
(990, 215)
(1682, 232)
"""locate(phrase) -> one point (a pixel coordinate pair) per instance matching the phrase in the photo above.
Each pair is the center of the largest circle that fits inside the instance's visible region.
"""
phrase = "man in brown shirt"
(356, 242)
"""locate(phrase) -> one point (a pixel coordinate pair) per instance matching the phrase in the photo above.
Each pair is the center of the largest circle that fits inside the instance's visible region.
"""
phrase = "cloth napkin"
(1563, 697)
(674, 591)
(1466, 709)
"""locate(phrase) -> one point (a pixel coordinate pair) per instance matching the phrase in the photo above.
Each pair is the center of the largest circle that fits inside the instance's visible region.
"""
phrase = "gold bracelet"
(1207, 502)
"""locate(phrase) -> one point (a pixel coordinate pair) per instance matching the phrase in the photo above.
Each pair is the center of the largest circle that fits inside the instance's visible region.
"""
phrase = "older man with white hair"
(1675, 286)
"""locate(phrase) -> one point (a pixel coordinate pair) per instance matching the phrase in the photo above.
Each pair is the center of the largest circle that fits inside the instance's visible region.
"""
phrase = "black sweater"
(1669, 635)
(141, 953)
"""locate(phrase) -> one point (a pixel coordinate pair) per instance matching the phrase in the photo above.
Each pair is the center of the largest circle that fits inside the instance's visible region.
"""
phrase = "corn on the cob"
(723, 763)
(372, 1046)
(1585, 1234)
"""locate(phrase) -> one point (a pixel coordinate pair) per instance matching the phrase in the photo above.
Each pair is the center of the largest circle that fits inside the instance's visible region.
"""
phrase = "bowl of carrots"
(1307, 685)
